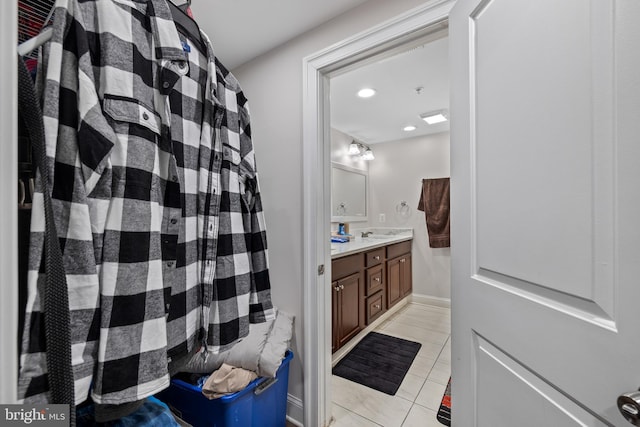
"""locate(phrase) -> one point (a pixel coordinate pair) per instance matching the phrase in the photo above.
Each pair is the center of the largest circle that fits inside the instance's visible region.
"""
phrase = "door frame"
(317, 69)
(9, 196)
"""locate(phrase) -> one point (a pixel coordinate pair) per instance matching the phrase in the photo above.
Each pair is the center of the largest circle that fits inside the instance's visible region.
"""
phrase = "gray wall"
(396, 175)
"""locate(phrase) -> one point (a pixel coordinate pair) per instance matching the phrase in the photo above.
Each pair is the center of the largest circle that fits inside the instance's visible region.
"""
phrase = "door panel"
(538, 404)
(535, 149)
(545, 187)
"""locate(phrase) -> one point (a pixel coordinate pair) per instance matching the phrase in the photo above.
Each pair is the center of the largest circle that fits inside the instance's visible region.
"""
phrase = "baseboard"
(429, 300)
(295, 410)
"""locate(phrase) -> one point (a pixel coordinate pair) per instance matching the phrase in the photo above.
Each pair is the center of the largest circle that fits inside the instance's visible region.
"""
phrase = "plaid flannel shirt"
(156, 198)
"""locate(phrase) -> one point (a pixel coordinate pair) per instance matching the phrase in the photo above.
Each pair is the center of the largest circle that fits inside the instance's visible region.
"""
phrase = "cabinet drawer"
(343, 267)
(375, 279)
(375, 257)
(398, 249)
(375, 307)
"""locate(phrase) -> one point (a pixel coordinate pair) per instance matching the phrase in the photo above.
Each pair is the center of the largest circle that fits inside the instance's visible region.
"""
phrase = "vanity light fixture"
(358, 149)
(435, 117)
(409, 128)
(366, 92)
(368, 155)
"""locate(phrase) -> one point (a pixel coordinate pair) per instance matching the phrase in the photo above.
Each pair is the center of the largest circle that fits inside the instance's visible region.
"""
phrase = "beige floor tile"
(420, 416)
(410, 387)
(431, 395)
(388, 411)
(345, 418)
(440, 374)
(421, 366)
(417, 333)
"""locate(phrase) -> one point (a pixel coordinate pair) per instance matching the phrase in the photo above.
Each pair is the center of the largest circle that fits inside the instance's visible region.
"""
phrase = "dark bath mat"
(378, 361)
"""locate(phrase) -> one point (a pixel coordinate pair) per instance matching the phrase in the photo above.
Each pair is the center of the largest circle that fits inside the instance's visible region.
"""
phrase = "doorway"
(396, 35)
(409, 82)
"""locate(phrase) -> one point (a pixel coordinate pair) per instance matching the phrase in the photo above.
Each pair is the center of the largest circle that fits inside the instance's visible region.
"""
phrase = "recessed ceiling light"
(435, 117)
(367, 92)
(409, 128)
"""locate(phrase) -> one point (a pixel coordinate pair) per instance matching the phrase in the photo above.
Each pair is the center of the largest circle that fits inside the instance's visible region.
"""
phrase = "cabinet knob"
(402, 260)
(377, 306)
(377, 279)
(341, 287)
(337, 288)
(377, 257)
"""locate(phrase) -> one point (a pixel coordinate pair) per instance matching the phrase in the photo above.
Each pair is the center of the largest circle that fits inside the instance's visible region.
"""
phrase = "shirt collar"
(165, 34)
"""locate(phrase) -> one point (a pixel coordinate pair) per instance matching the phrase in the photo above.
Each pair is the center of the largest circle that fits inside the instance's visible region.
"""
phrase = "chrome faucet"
(366, 233)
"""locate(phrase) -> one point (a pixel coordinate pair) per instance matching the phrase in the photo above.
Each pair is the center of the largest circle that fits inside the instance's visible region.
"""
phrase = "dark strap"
(56, 295)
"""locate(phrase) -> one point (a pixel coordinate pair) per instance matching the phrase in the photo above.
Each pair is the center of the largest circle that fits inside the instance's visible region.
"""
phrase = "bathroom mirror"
(349, 188)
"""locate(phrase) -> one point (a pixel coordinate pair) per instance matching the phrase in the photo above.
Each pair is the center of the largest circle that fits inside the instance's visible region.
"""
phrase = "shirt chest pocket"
(131, 111)
(138, 144)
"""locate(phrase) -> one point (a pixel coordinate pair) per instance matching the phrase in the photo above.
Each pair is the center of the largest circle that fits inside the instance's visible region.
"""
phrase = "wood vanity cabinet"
(347, 288)
(366, 284)
(399, 283)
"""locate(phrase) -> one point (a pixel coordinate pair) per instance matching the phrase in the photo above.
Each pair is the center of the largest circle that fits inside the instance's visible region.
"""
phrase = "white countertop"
(379, 237)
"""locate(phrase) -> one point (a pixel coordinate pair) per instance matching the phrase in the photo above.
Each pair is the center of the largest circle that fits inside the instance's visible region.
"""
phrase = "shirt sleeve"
(260, 305)
(78, 142)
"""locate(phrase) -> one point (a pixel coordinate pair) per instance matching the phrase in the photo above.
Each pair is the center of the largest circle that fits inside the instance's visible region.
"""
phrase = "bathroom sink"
(378, 236)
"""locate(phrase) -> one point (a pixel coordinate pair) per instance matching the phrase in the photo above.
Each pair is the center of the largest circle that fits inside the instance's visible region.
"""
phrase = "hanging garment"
(434, 201)
(156, 199)
(55, 327)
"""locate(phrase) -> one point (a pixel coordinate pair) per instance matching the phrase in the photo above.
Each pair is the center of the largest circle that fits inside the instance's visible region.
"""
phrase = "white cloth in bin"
(276, 346)
(262, 351)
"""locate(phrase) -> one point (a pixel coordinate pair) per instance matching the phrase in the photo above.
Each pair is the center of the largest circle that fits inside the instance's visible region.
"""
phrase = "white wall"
(396, 175)
(273, 85)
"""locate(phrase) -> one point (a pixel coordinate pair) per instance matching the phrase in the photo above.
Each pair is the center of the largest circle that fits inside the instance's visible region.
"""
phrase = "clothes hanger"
(44, 36)
(186, 25)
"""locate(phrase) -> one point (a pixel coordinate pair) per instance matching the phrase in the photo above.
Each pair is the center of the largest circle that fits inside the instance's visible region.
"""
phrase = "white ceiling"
(396, 104)
(241, 30)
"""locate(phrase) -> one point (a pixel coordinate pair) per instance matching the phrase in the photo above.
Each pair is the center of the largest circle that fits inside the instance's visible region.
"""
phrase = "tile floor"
(418, 399)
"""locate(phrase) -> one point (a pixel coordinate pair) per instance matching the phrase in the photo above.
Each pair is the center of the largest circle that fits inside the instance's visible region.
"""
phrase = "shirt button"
(145, 116)
(170, 264)
(174, 221)
(182, 65)
(166, 85)
(174, 178)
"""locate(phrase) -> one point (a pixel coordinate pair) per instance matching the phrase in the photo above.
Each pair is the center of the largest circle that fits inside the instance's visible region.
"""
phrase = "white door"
(545, 211)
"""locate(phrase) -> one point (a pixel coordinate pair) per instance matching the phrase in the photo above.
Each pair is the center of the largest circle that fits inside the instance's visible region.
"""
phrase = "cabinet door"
(394, 292)
(405, 275)
(349, 309)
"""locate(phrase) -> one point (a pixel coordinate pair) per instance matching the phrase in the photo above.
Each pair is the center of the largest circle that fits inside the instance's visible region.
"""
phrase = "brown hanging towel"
(434, 201)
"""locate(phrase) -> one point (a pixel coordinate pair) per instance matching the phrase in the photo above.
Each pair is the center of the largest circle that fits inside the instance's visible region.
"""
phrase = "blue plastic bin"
(263, 403)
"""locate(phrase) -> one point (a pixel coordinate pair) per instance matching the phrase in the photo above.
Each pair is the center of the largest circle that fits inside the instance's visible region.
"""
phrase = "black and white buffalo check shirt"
(156, 200)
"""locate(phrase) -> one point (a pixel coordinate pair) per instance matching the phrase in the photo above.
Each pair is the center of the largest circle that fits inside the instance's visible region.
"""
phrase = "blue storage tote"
(263, 403)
